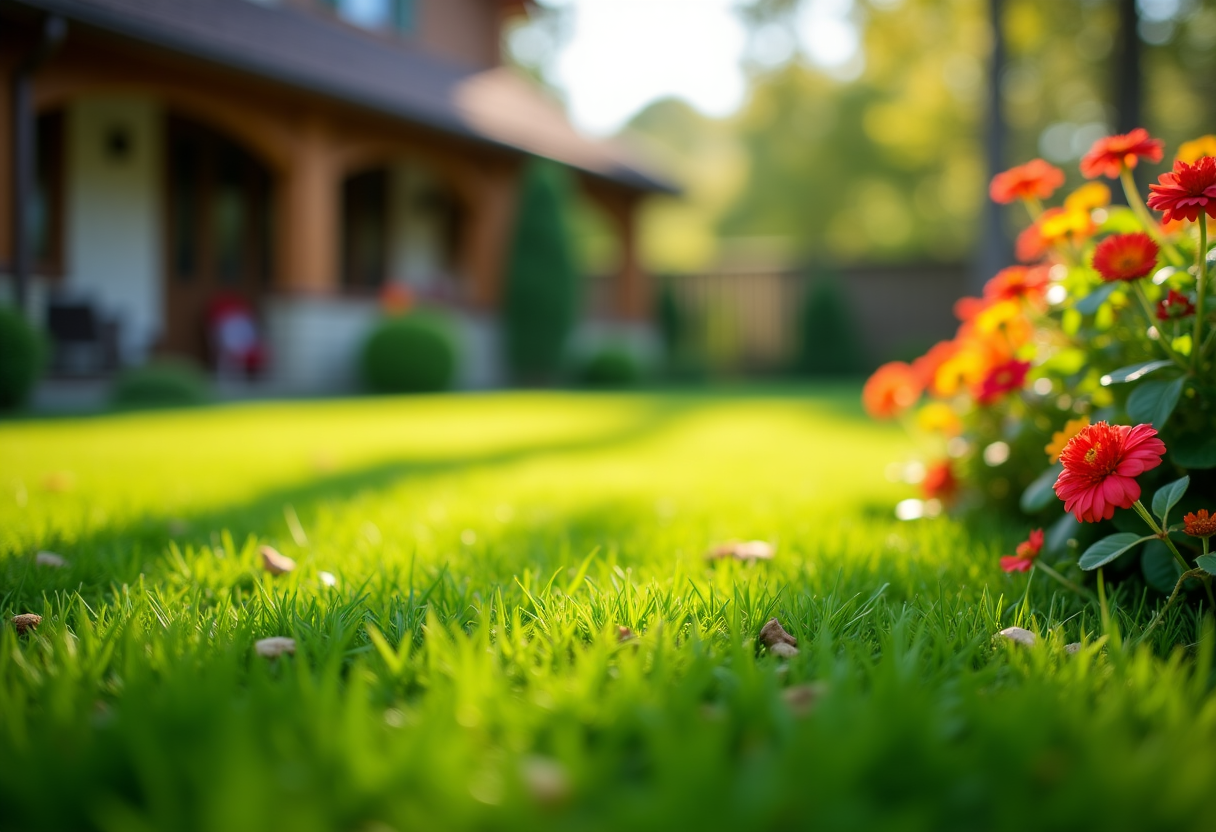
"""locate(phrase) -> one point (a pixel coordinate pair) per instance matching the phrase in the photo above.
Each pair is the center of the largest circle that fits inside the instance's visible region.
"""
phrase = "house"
(298, 154)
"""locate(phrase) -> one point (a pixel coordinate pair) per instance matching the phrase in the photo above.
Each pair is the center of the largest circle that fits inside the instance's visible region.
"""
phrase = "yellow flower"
(1005, 316)
(1088, 197)
(939, 417)
(1060, 438)
(1190, 152)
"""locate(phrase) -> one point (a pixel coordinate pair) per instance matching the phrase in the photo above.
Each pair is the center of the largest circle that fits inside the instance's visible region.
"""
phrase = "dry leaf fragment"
(801, 699)
(1019, 636)
(546, 780)
(275, 563)
(772, 634)
(741, 550)
(26, 622)
(50, 559)
(275, 646)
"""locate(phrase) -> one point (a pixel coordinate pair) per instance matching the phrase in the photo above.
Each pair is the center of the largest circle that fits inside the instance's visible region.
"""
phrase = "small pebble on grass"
(274, 562)
(275, 646)
(26, 622)
(50, 559)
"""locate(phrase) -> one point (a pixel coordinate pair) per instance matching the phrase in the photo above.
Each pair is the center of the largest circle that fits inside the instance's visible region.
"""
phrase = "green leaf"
(1120, 220)
(1207, 563)
(1040, 494)
(1194, 451)
(1133, 372)
(1154, 401)
(1109, 548)
(1092, 302)
(1167, 497)
(1160, 569)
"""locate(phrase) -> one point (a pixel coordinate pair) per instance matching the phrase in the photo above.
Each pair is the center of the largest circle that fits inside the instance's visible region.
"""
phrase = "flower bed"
(1085, 376)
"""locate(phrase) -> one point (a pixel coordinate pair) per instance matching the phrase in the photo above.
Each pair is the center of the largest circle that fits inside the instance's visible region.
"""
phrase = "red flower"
(892, 389)
(1200, 523)
(1036, 178)
(1002, 379)
(1100, 466)
(1028, 551)
(1186, 191)
(1176, 305)
(1125, 256)
(1109, 156)
(939, 482)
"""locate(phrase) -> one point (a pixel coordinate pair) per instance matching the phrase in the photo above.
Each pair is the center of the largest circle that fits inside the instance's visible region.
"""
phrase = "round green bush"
(164, 382)
(612, 367)
(21, 356)
(415, 353)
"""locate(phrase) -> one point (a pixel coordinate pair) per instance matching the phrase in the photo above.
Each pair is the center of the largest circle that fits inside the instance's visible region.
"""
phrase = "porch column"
(309, 216)
(487, 243)
(632, 287)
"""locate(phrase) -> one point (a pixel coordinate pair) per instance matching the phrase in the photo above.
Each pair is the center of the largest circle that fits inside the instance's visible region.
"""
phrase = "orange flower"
(1060, 438)
(1027, 552)
(1187, 191)
(1018, 282)
(1035, 179)
(1125, 256)
(1191, 151)
(1101, 464)
(1002, 379)
(1030, 246)
(965, 309)
(1004, 318)
(1200, 523)
(1109, 156)
(939, 483)
(1089, 196)
(892, 389)
(927, 365)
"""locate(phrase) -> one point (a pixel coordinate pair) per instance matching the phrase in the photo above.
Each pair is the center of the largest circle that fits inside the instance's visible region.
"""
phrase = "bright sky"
(623, 54)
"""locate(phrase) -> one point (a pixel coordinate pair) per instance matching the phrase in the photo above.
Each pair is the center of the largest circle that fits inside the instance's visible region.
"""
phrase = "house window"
(391, 15)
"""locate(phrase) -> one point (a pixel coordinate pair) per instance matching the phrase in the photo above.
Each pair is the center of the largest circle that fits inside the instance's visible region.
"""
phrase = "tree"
(542, 282)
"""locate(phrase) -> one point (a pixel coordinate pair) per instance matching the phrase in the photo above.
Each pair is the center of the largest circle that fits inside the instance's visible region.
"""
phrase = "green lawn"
(465, 670)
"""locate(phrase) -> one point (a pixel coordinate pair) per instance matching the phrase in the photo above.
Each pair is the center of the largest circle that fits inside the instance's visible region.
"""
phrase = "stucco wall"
(113, 227)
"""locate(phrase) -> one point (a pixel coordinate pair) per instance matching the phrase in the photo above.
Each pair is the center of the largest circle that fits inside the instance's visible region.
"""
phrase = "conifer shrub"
(542, 282)
(830, 344)
(413, 353)
(611, 367)
(22, 354)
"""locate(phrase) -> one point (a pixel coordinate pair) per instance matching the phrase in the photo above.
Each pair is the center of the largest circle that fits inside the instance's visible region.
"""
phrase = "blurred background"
(285, 197)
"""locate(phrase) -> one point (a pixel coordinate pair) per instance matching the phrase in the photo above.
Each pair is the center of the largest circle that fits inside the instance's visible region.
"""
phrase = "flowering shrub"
(1086, 374)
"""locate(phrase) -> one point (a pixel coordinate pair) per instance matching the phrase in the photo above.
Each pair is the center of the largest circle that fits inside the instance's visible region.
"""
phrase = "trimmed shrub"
(414, 353)
(163, 382)
(21, 358)
(829, 342)
(542, 283)
(611, 367)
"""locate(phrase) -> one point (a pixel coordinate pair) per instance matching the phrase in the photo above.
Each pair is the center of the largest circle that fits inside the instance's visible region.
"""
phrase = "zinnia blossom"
(1187, 191)
(1190, 152)
(1002, 379)
(1109, 156)
(1018, 282)
(1125, 256)
(939, 417)
(1089, 196)
(1100, 466)
(1200, 523)
(1060, 438)
(892, 389)
(1034, 180)
(1175, 305)
(939, 483)
(1027, 552)
(1030, 246)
